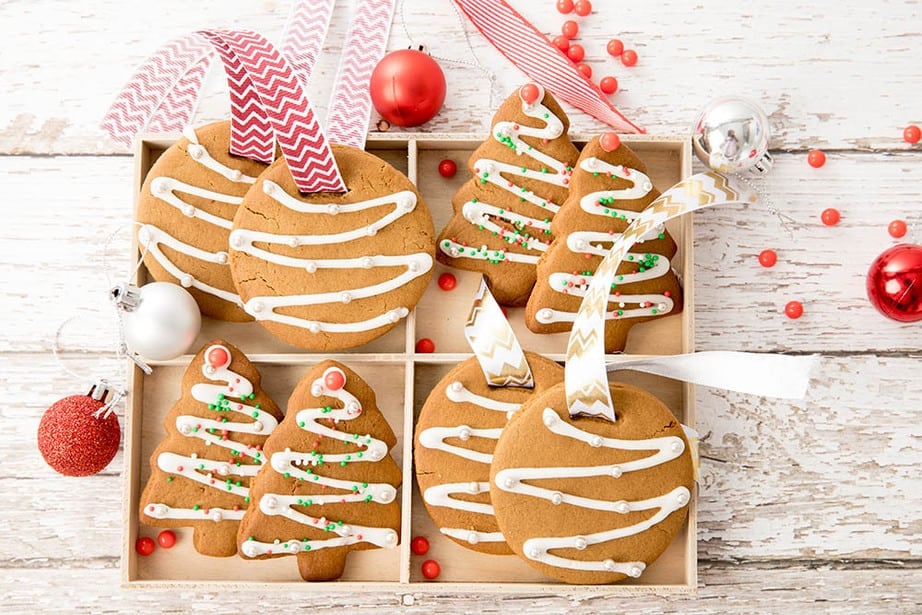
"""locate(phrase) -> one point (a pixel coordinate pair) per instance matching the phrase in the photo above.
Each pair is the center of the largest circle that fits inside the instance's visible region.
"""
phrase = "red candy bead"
(565, 6)
(561, 42)
(448, 168)
(912, 134)
(431, 569)
(816, 158)
(610, 141)
(615, 47)
(768, 258)
(425, 346)
(582, 7)
(794, 310)
(218, 356)
(166, 539)
(609, 85)
(529, 93)
(334, 379)
(145, 545)
(629, 57)
(576, 53)
(897, 229)
(569, 28)
(585, 69)
(830, 217)
(447, 281)
(419, 545)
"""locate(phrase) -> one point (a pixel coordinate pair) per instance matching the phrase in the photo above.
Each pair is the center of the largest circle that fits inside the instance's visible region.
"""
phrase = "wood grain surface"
(807, 506)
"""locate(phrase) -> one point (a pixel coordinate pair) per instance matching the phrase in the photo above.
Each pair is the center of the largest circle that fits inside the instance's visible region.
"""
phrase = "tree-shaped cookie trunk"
(502, 216)
(330, 486)
(201, 473)
(607, 190)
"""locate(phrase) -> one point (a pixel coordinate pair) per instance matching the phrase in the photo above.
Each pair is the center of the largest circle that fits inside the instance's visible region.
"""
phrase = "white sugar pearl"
(550, 418)
(623, 508)
(310, 267)
(236, 240)
(269, 188)
(456, 387)
(596, 441)
(368, 262)
(294, 546)
(533, 553)
(682, 498)
(270, 502)
(371, 231)
(635, 571)
(557, 498)
(217, 516)
(580, 543)
(257, 306)
(257, 426)
(508, 483)
(473, 487)
(545, 315)
(473, 538)
(464, 433)
(313, 327)
(294, 242)
(609, 564)
(223, 469)
(616, 471)
(454, 251)
(188, 210)
(196, 151)
(221, 257)
(677, 446)
(316, 390)
(186, 281)
(236, 175)
(333, 209)
(186, 429)
(345, 297)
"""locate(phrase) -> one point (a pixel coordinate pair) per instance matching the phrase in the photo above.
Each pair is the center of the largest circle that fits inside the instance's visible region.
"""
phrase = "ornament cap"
(126, 296)
(100, 390)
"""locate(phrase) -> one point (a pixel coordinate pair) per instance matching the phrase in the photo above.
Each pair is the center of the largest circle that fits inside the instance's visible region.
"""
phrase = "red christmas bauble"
(895, 283)
(407, 87)
(73, 441)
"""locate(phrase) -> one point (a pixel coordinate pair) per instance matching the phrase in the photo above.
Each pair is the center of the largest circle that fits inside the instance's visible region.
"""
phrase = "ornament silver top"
(731, 136)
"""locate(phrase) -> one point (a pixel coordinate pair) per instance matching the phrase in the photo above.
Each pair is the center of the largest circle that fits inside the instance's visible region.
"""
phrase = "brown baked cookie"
(606, 191)
(185, 208)
(501, 223)
(330, 486)
(455, 434)
(603, 499)
(332, 271)
(201, 473)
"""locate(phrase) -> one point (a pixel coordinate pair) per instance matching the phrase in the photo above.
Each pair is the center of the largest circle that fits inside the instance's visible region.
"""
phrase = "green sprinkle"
(195, 507)
(169, 479)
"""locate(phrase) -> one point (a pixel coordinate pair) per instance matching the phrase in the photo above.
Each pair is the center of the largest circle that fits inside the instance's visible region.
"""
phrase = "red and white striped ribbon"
(305, 31)
(283, 104)
(350, 103)
(530, 50)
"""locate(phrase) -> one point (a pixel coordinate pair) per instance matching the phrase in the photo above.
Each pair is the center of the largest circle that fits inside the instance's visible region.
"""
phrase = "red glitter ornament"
(448, 168)
(912, 134)
(615, 48)
(425, 346)
(529, 94)
(407, 87)
(610, 141)
(897, 229)
(816, 158)
(768, 258)
(894, 283)
(73, 439)
(609, 85)
(419, 545)
(166, 539)
(447, 281)
(831, 216)
(565, 6)
(585, 70)
(576, 53)
(431, 569)
(569, 28)
(582, 7)
(561, 42)
(629, 57)
(145, 545)
(794, 310)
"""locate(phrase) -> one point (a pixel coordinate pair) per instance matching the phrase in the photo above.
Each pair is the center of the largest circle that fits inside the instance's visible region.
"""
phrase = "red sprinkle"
(565, 6)
(816, 158)
(431, 569)
(585, 69)
(615, 47)
(447, 281)
(768, 258)
(582, 7)
(576, 53)
(419, 545)
(425, 346)
(912, 134)
(629, 57)
(145, 545)
(569, 28)
(561, 42)
(830, 217)
(609, 85)
(794, 310)
(448, 168)
(897, 229)
(166, 539)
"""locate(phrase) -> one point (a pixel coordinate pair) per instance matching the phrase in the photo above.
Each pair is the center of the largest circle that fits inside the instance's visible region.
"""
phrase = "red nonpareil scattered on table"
(816, 158)
(768, 258)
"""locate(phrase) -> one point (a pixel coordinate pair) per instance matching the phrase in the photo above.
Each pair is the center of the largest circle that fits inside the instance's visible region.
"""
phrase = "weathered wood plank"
(823, 81)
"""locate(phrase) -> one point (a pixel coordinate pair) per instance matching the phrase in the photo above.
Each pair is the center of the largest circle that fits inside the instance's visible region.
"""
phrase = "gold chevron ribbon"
(494, 343)
(585, 376)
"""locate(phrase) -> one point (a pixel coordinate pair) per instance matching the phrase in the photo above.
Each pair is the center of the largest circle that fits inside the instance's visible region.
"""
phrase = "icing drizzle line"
(291, 464)
(165, 189)
(651, 266)
(434, 438)
(221, 398)
(538, 549)
(266, 307)
(481, 215)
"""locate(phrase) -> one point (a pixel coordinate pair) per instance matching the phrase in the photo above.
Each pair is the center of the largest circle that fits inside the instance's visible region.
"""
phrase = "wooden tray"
(402, 380)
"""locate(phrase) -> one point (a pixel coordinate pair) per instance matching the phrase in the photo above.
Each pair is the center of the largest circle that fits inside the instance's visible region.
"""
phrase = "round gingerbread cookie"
(456, 432)
(185, 209)
(331, 271)
(604, 499)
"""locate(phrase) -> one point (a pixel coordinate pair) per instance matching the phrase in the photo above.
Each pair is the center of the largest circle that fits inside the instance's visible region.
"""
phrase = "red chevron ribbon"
(530, 50)
(304, 34)
(350, 103)
(280, 97)
(180, 65)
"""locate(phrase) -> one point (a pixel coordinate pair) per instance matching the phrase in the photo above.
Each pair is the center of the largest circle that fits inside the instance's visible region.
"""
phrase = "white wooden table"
(807, 506)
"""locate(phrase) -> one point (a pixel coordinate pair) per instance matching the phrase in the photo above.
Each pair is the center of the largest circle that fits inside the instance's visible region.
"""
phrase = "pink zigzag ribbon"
(285, 105)
(534, 55)
(350, 103)
(304, 34)
(178, 107)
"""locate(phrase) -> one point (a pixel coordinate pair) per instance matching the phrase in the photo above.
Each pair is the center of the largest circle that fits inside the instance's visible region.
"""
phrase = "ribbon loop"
(494, 343)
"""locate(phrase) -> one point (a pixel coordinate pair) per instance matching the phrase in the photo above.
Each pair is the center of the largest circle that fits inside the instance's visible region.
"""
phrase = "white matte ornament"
(731, 135)
(164, 323)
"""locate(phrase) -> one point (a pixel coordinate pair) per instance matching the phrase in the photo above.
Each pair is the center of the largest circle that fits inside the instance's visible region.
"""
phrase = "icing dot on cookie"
(294, 242)
(623, 507)
(221, 258)
(580, 543)
(314, 327)
(345, 297)
(186, 281)
(269, 187)
(473, 538)
(677, 446)
(616, 471)
(635, 571)
(557, 498)
(368, 262)
(464, 433)
(609, 564)
(473, 487)
(188, 210)
(596, 441)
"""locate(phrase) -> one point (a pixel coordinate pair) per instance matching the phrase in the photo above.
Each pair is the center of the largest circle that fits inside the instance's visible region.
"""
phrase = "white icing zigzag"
(266, 307)
(434, 438)
(166, 188)
(214, 474)
(482, 214)
(292, 464)
(599, 243)
(538, 549)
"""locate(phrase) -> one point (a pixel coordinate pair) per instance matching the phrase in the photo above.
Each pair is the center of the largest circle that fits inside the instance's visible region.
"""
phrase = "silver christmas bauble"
(731, 135)
(161, 319)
